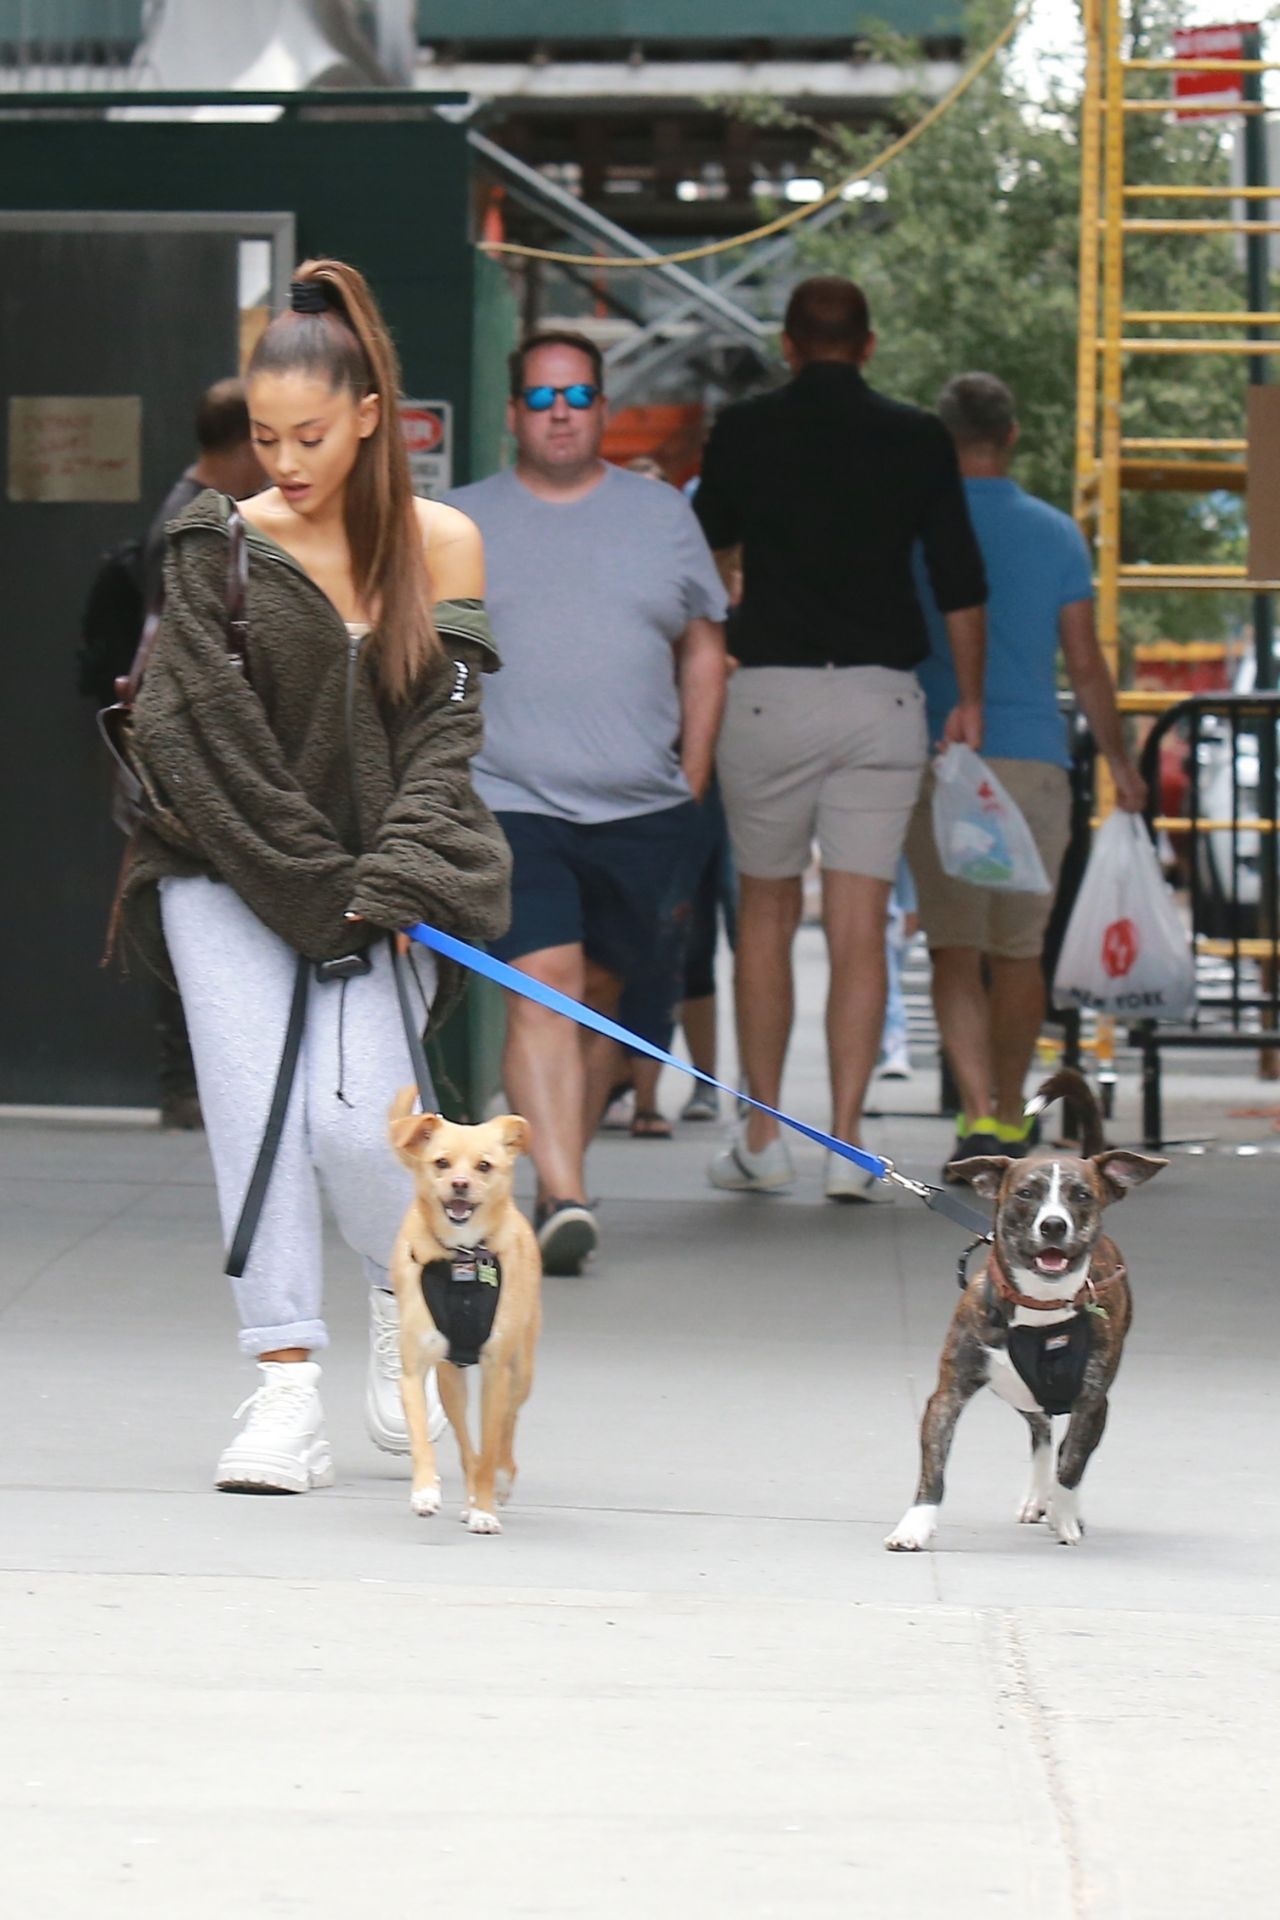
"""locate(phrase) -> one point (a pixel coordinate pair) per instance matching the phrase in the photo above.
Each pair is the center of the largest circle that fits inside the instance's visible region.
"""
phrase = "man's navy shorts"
(608, 886)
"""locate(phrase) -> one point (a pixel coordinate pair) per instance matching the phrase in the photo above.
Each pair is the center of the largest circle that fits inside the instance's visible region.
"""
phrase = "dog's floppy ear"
(984, 1172)
(1121, 1169)
(514, 1130)
(409, 1131)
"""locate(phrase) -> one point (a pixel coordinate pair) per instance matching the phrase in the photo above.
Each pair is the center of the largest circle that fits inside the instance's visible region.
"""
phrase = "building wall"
(391, 197)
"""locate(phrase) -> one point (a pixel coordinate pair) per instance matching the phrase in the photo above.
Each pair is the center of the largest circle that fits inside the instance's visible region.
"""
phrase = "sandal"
(648, 1124)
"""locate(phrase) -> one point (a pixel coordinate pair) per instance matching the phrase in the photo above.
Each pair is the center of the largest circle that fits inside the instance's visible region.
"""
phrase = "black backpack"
(111, 624)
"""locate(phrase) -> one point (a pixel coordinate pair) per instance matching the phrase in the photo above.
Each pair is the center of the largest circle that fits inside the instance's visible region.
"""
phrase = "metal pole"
(1112, 369)
(1112, 48)
(1086, 501)
(1258, 251)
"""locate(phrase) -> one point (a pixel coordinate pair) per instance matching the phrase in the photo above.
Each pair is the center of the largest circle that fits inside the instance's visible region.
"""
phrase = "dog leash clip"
(917, 1187)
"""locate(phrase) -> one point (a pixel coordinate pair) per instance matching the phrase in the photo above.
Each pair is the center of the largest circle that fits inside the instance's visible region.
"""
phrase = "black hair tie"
(307, 296)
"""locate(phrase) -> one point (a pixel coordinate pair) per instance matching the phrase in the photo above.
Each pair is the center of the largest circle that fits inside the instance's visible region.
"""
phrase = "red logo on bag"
(1119, 948)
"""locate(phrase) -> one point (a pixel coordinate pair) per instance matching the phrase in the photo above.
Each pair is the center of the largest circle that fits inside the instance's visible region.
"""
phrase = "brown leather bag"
(136, 796)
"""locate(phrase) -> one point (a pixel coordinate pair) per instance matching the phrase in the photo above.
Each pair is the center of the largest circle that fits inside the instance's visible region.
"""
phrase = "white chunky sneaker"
(383, 1407)
(736, 1169)
(281, 1447)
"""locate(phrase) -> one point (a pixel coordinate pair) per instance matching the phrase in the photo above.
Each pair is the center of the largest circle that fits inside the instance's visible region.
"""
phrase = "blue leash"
(477, 961)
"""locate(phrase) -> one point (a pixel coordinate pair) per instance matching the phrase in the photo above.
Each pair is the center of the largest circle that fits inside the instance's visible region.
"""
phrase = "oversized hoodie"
(299, 786)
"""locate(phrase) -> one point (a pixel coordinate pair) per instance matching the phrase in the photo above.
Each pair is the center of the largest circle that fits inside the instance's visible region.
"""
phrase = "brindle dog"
(1051, 1266)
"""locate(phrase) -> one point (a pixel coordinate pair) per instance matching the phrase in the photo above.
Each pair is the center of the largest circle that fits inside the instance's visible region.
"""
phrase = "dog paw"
(1032, 1509)
(914, 1531)
(478, 1521)
(1064, 1519)
(425, 1501)
(503, 1484)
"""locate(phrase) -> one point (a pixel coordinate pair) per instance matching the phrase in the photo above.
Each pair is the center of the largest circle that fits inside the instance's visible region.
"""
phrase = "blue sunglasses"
(580, 396)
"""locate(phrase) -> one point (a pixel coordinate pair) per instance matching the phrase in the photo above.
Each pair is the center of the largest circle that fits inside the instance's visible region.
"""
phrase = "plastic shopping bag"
(981, 834)
(1125, 950)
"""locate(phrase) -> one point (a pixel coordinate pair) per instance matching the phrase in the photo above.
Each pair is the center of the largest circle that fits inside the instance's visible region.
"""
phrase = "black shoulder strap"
(256, 1193)
(412, 1030)
(235, 626)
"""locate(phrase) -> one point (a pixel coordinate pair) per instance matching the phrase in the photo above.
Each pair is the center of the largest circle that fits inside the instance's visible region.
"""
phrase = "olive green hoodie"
(299, 787)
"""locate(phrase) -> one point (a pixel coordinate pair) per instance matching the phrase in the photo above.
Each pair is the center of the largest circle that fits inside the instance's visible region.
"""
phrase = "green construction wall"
(389, 196)
(675, 20)
(494, 331)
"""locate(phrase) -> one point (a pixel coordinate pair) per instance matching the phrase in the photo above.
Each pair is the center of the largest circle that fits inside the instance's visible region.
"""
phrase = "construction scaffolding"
(1113, 462)
(1110, 462)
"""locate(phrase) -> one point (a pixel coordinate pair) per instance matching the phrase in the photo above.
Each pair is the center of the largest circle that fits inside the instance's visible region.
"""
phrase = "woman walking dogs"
(310, 801)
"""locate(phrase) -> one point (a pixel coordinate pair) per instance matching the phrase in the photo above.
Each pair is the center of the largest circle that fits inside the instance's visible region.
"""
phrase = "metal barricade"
(1229, 853)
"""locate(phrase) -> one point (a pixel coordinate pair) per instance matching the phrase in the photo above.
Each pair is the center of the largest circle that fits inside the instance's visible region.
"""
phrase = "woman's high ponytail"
(347, 340)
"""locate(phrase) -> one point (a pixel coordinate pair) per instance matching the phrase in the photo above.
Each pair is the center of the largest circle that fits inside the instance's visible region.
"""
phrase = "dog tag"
(487, 1269)
(464, 1267)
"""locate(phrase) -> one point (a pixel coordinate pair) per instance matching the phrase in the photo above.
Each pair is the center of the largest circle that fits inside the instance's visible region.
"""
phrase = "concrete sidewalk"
(687, 1680)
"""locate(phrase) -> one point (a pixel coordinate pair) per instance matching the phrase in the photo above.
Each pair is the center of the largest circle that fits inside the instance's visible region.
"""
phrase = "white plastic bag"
(1125, 950)
(981, 834)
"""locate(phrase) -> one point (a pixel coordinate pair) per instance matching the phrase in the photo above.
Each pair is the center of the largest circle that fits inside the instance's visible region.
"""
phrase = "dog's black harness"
(1052, 1360)
(462, 1298)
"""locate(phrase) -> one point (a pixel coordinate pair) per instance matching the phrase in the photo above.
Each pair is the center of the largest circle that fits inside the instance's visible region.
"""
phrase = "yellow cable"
(785, 220)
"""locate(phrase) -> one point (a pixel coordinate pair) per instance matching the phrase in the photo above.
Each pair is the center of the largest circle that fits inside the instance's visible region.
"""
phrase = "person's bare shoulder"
(267, 511)
(455, 551)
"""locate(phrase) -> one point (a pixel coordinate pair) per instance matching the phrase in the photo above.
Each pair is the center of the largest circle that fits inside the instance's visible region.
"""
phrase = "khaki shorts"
(832, 754)
(1011, 926)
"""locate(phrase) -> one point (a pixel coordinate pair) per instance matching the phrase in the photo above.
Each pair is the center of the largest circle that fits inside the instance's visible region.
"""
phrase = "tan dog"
(465, 1231)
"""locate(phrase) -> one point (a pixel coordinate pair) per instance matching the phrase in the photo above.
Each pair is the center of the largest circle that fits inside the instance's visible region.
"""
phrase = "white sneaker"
(895, 1065)
(281, 1447)
(383, 1408)
(703, 1104)
(620, 1112)
(846, 1181)
(736, 1169)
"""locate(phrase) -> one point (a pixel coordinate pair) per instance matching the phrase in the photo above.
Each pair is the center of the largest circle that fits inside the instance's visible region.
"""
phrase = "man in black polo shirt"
(824, 488)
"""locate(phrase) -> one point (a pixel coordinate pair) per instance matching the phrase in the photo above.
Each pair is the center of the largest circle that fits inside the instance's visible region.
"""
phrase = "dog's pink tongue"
(1051, 1261)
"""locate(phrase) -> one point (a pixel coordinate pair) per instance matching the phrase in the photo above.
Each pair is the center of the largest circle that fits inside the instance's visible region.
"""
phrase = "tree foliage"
(969, 255)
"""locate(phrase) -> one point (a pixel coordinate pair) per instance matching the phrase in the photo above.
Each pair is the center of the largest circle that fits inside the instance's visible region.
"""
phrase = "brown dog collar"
(1087, 1294)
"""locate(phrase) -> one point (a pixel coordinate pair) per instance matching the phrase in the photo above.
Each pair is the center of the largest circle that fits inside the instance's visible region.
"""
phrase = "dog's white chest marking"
(1003, 1378)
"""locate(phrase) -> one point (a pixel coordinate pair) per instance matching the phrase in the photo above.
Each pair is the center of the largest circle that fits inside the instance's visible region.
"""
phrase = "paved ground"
(687, 1680)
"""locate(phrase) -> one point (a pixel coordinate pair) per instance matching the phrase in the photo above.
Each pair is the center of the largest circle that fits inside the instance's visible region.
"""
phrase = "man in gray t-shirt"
(599, 742)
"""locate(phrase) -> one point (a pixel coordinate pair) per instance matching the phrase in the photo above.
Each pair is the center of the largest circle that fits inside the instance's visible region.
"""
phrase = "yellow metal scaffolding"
(1110, 463)
(1107, 462)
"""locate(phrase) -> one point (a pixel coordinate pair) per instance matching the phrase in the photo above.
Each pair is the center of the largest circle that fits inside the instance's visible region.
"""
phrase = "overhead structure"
(260, 44)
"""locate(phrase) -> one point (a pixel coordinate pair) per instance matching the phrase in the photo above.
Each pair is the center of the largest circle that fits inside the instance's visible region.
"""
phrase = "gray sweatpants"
(236, 978)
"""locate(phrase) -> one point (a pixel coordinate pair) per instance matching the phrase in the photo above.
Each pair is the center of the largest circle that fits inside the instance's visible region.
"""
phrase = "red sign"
(1214, 92)
(1119, 948)
(424, 428)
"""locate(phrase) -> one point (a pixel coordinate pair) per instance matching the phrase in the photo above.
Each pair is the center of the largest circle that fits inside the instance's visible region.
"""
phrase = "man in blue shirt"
(986, 945)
